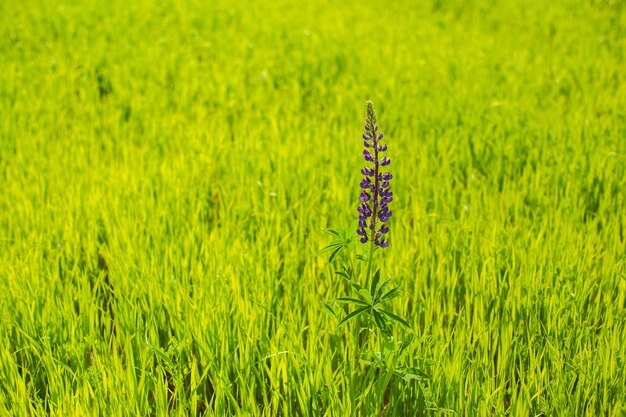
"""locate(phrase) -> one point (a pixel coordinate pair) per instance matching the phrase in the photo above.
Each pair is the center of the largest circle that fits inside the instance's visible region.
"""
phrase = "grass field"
(167, 170)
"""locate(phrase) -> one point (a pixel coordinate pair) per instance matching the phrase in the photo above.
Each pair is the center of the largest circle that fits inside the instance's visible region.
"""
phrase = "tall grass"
(167, 168)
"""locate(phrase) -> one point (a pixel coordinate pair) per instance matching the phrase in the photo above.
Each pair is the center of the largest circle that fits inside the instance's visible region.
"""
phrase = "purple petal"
(365, 210)
(386, 161)
(384, 216)
(367, 172)
(363, 239)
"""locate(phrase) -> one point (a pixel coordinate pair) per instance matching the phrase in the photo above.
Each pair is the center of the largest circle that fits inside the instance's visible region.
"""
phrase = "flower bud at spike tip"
(375, 196)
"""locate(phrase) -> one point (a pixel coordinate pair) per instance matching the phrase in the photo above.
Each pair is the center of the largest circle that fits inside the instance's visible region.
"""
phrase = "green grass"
(167, 169)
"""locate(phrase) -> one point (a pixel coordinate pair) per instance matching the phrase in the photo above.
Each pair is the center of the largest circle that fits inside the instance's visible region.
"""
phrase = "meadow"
(167, 170)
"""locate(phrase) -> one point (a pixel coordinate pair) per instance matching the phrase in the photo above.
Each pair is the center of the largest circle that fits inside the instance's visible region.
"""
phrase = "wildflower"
(375, 194)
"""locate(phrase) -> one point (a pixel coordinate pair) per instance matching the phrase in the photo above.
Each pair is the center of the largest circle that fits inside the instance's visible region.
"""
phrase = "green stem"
(369, 263)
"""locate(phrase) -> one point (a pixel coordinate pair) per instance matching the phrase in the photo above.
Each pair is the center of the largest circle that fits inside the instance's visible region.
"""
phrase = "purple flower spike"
(375, 196)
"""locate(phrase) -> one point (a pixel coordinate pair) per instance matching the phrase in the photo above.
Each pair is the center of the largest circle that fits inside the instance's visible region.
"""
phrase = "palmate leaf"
(363, 293)
(366, 296)
(352, 316)
(346, 273)
(330, 247)
(395, 318)
(334, 247)
(344, 238)
(332, 255)
(361, 258)
(375, 281)
(380, 322)
(381, 290)
(390, 295)
(352, 301)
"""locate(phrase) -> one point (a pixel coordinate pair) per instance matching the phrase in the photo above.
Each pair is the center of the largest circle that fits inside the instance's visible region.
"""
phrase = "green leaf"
(365, 295)
(332, 255)
(391, 294)
(382, 289)
(380, 322)
(330, 247)
(333, 233)
(405, 343)
(352, 301)
(395, 318)
(375, 282)
(329, 308)
(344, 274)
(351, 316)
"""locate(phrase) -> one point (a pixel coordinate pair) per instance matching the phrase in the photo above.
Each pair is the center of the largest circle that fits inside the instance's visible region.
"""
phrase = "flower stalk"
(375, 194)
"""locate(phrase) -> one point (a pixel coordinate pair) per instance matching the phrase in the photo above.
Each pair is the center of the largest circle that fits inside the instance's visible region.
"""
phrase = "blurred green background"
(167, 169)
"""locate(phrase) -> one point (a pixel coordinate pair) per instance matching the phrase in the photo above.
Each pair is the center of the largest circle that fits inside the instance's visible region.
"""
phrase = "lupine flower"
(375, 194)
